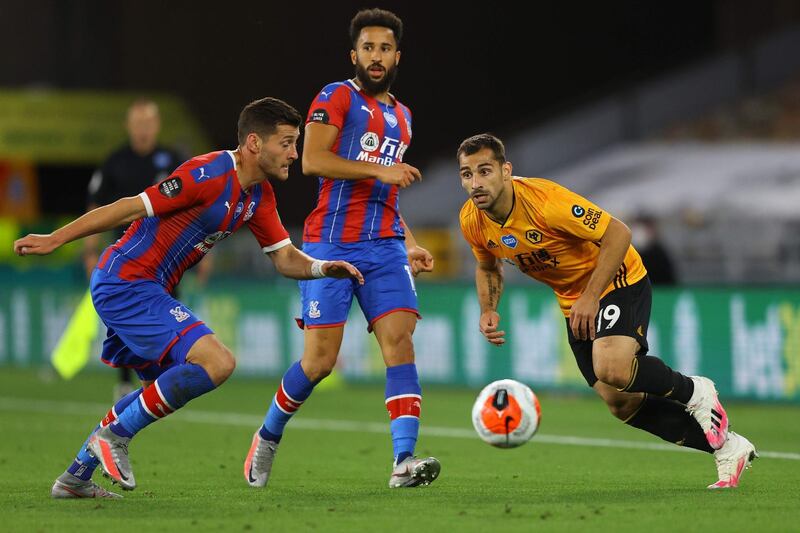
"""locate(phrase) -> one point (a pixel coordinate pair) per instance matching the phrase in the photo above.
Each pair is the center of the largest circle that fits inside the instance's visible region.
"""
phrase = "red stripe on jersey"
(154, 402)
(357, 210)
(314, 220)
(390, 215)
(285, 402)
(405, 405)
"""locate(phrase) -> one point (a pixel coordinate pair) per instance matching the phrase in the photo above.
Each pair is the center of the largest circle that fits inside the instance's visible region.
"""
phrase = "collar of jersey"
(358, 89)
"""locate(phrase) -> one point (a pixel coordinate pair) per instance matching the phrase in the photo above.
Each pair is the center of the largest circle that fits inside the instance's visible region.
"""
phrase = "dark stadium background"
(470, 67)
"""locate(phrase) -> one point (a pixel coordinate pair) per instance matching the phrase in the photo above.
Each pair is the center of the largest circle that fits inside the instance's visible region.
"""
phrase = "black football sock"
(669, 420)
(651, 375)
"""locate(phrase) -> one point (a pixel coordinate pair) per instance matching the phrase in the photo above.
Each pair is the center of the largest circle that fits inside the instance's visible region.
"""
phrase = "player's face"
(278, 151)
(484, 178)
(143, 125)
(376, 57)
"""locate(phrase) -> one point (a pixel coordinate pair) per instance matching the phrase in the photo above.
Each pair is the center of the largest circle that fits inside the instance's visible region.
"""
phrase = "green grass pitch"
(333, 466)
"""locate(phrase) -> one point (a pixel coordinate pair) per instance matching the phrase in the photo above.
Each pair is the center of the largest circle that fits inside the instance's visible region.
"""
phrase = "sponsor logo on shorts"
(179, 314)
(491, 244)
(170, 187)
(320, 115)
(313, 309)
(578, 211)
(509, 240)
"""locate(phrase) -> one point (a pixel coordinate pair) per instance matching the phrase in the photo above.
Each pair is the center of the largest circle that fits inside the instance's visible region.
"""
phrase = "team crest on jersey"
(320, 115)
(509, 240)
(369, 141)
(391, 120)
(313, 309)
(239, 209)
(249, 213)
(491, 244)
(578, 211)
(534, 236)
(179, 314)
(170, 187)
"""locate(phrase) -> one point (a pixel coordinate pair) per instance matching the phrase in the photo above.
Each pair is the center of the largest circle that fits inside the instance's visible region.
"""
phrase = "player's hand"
(420, 260)
(342, 269)
(400, 174)
(35, 244)
(582, 317)
(488, 323)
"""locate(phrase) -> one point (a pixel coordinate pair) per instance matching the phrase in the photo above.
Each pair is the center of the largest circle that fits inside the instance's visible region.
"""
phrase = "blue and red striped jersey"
(201, 203)
(369, 130)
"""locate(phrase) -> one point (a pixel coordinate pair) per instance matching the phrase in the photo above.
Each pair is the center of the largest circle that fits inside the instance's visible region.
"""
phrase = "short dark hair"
(476, 143)
(264, 116)
(376, 17)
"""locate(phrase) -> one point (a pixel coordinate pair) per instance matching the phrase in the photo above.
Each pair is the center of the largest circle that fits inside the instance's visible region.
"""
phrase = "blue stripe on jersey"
(195, 232)
(337, 210)
(374, 214)
(216, 167)
(139, 243)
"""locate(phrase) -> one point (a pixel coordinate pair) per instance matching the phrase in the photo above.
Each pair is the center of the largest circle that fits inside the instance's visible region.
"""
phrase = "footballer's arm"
(123, 211)
(318, 160)
(614, 245)
(295, 264)
(489, 283)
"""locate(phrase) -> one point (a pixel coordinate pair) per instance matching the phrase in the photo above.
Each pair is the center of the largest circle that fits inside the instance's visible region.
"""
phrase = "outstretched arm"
(614, 245)
(292, 263)
(419, 258)
(489, 282)
(318, 160)
(123, 211)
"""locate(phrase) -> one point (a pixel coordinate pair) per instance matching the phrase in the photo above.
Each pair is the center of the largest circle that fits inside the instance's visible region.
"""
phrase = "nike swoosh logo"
(250, 476)
(121, 475)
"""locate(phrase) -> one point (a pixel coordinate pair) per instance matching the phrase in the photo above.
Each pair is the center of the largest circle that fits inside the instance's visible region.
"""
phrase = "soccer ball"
(506, 414)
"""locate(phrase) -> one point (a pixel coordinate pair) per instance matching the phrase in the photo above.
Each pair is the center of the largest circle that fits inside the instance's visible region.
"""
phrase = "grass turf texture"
(189, 467)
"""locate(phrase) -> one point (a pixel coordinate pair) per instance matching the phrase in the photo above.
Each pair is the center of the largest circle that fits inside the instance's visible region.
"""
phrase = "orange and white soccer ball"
(506, 414)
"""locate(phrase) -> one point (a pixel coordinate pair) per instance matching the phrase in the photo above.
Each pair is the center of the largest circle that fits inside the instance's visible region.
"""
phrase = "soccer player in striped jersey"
(357, 133)
(173, 224)
(585, 255)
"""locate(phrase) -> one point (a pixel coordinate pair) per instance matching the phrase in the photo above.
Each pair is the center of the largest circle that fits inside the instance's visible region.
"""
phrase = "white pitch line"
(253, 421)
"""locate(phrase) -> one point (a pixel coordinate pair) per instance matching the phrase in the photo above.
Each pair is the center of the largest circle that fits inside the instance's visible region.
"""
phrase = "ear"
(397, 58)
(353, 56)
(507, 170)
(253, 143)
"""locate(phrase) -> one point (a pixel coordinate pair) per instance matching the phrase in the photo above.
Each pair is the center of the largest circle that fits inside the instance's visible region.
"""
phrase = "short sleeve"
(178, 191)
(266, 224)
(575, 215)
(330, 106)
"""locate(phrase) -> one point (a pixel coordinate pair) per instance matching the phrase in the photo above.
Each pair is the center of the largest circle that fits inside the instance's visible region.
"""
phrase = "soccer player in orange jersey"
(585, 255)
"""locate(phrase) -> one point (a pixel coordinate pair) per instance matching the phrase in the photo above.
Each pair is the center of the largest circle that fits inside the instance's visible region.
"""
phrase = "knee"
(622, 407)
(318, 366)
(223, 366)
(609, 366)
(399, 344)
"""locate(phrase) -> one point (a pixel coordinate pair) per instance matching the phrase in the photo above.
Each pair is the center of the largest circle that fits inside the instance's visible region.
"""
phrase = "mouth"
(479, 196)
(376, 71)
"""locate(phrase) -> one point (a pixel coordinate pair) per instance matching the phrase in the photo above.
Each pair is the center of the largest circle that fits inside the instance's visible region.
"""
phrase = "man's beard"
(372, 87)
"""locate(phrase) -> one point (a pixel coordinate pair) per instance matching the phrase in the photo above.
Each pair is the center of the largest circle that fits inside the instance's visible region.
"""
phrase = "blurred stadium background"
(683, 119)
